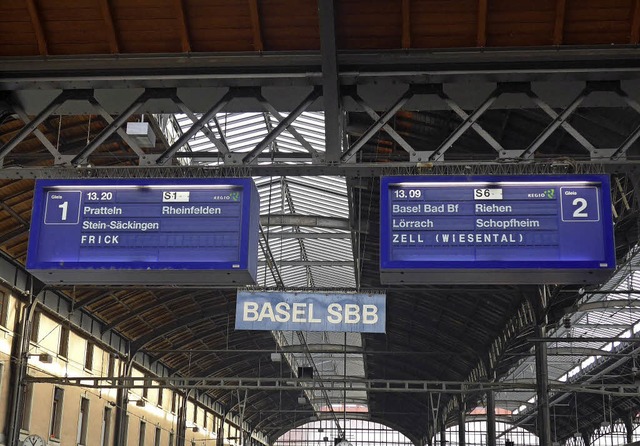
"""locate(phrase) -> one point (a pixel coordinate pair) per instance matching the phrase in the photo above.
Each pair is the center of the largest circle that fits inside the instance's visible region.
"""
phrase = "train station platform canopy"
(316, 100)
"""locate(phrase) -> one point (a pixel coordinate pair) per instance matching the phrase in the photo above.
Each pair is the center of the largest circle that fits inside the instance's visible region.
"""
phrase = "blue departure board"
(151, 231)
(490, 229)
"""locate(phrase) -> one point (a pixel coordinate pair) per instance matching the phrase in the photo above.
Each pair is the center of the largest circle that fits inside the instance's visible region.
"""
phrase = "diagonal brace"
(387, 128)
(378, 125)
(271, 109)
(286, 122)
(564, 124)
(123, 134)
(474, 125)
(111, 128)
(44, 114)
(468, 122)
(195, 128)
(43, 139)
(557, 122)
(222, 147)
(628, 142)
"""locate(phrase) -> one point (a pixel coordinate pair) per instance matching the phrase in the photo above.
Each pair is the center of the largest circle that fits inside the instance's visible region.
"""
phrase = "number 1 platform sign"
(145, 231)
(496, 229)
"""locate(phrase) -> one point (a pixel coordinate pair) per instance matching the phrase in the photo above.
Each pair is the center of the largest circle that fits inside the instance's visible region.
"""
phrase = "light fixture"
(139, 403)
(142, 133)
(45, 358)
(276, 357)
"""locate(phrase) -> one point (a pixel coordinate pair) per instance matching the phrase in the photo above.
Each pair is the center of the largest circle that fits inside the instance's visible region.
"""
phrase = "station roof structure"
(316, 100)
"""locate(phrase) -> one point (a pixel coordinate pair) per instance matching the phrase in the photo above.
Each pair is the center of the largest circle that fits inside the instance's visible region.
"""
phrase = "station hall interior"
(320, 105)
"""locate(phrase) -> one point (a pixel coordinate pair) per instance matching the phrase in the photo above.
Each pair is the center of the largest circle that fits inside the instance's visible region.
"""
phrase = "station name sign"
(496, 229)
(272, 310)
(151, 231)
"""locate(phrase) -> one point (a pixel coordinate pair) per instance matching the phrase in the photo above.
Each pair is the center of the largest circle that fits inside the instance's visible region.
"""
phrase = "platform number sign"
(62, 208)
(511, 229)
(580, 204)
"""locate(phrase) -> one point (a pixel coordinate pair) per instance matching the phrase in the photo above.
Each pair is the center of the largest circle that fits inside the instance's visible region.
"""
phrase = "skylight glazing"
(293, 253)
(610, 312)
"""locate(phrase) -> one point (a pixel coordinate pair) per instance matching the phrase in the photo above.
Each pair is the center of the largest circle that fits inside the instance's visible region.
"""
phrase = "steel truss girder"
(304, 68)
(471, 121)
(303, 160)
(350, 170)
(115, 125)
(335, 384)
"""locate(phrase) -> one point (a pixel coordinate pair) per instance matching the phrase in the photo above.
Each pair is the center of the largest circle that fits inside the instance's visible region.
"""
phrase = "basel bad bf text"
(495, 222)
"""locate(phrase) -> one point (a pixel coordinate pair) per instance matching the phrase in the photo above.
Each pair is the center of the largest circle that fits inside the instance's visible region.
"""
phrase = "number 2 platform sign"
(489, 229)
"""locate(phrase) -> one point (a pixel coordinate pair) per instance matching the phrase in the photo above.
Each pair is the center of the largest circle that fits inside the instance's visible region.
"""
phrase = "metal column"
(122, 402)
(628, 425)
(443, 436)
(462, 419)
(330, 82)
(542, 381)
(19, 350)
(181, 427)
(491, 418)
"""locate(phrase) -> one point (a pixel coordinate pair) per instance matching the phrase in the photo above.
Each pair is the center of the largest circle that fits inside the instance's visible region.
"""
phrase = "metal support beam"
(468, 122)
(81, 158)
(462, 423)
(557, 122)
(633, 136)
(491, 418)
(123, 134)
(542, 390)
(220, 144)
(122, 403)
(17, 384)
(628, 426)
(330, 82)
(336, 384)
(181, 422)
(43, 139)
(315, 221)
(44, 114)
(387, 128)
(474, 124)
(284, 124)
(195, 128)
(355, 147)
(563, 123)
(272, 110)
(351, 170)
